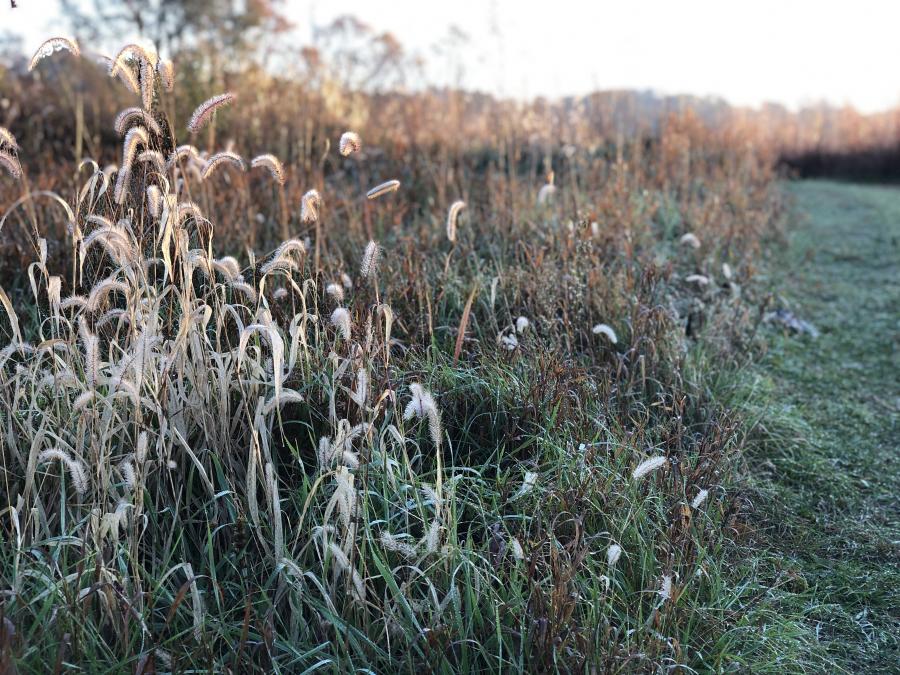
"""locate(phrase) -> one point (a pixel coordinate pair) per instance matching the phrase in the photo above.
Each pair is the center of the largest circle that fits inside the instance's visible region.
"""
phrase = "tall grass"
(476, 450)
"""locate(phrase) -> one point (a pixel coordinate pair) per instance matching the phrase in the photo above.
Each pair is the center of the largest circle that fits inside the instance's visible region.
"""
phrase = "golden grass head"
(11, 165)
(8, 140)
(52, 45)
(310, 204)
(371, 256)
(220, 159)
(183, 153)
(129, 115)
(204, 112)
(272, 163)
(133, 52)
(350, 143)
(165, 69)
(383, 189)
(452, 216)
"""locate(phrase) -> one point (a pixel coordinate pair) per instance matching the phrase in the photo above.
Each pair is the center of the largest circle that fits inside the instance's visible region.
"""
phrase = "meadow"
(301, 379)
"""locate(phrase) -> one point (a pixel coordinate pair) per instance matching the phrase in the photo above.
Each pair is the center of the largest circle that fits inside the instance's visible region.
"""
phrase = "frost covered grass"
(398, 438)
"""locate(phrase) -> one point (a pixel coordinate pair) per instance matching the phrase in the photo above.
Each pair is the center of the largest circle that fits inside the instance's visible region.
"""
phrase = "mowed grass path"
(829, 473)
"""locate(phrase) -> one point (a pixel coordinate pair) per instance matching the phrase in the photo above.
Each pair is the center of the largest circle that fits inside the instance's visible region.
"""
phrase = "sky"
(792, 52)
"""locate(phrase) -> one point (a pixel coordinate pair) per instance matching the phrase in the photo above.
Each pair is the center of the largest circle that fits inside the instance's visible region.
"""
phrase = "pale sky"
(788, 51)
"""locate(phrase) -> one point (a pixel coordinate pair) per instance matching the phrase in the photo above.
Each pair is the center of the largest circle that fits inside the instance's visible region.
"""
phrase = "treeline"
(330, 85)
(877, 164)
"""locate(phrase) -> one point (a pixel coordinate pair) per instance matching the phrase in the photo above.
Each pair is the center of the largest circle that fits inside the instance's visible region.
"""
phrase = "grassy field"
(823, 465)
(319, 414)
(494, 397)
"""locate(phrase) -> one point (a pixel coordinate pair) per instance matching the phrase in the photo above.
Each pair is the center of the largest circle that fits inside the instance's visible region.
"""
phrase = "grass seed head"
(700, 498)
(273, 164)
(350, 143)
(205, 111)
(606, 331)
(11, 165)
(220, 159)
(369, 266)
(452, 217)
(309, 206)
(54, 44)
(613, 553)
(8, 140)
(340, 319)
(690, 240)
(383, 189)
(648, 466)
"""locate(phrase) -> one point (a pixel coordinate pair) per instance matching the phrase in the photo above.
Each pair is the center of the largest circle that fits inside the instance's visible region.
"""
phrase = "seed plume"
(154, 200)
(383, 189)
(309, 206)
(221, 158)
(272, 163)
(128, 77)
(700, 498)
(336, 291)
(154, 157)
(135, 136)
(52, 45)
(350, 143)
(205, 110)
(7, 139)
(452, 216)
(606, 331)
(613, 553)
(647, 466)
(690, 239)
(699, 279)
(75, 467)
(129, 115)
(11, 165)
(132, 52)
(165, 69)
(340, 319)
(422, 405)
(181, 153)
(369, 265)
(148, 81)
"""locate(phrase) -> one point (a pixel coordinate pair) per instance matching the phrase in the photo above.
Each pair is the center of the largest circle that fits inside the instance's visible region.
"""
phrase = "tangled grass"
(478, 449)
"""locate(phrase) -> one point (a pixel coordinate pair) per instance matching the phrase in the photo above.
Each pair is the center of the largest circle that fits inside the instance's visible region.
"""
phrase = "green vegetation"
(822, 459)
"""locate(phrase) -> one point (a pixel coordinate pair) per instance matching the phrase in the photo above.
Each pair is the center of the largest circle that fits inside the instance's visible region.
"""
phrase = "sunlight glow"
(791, 52)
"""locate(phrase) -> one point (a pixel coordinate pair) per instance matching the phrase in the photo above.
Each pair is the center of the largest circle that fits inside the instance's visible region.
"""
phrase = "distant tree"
(237, 27)
(352, 53)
